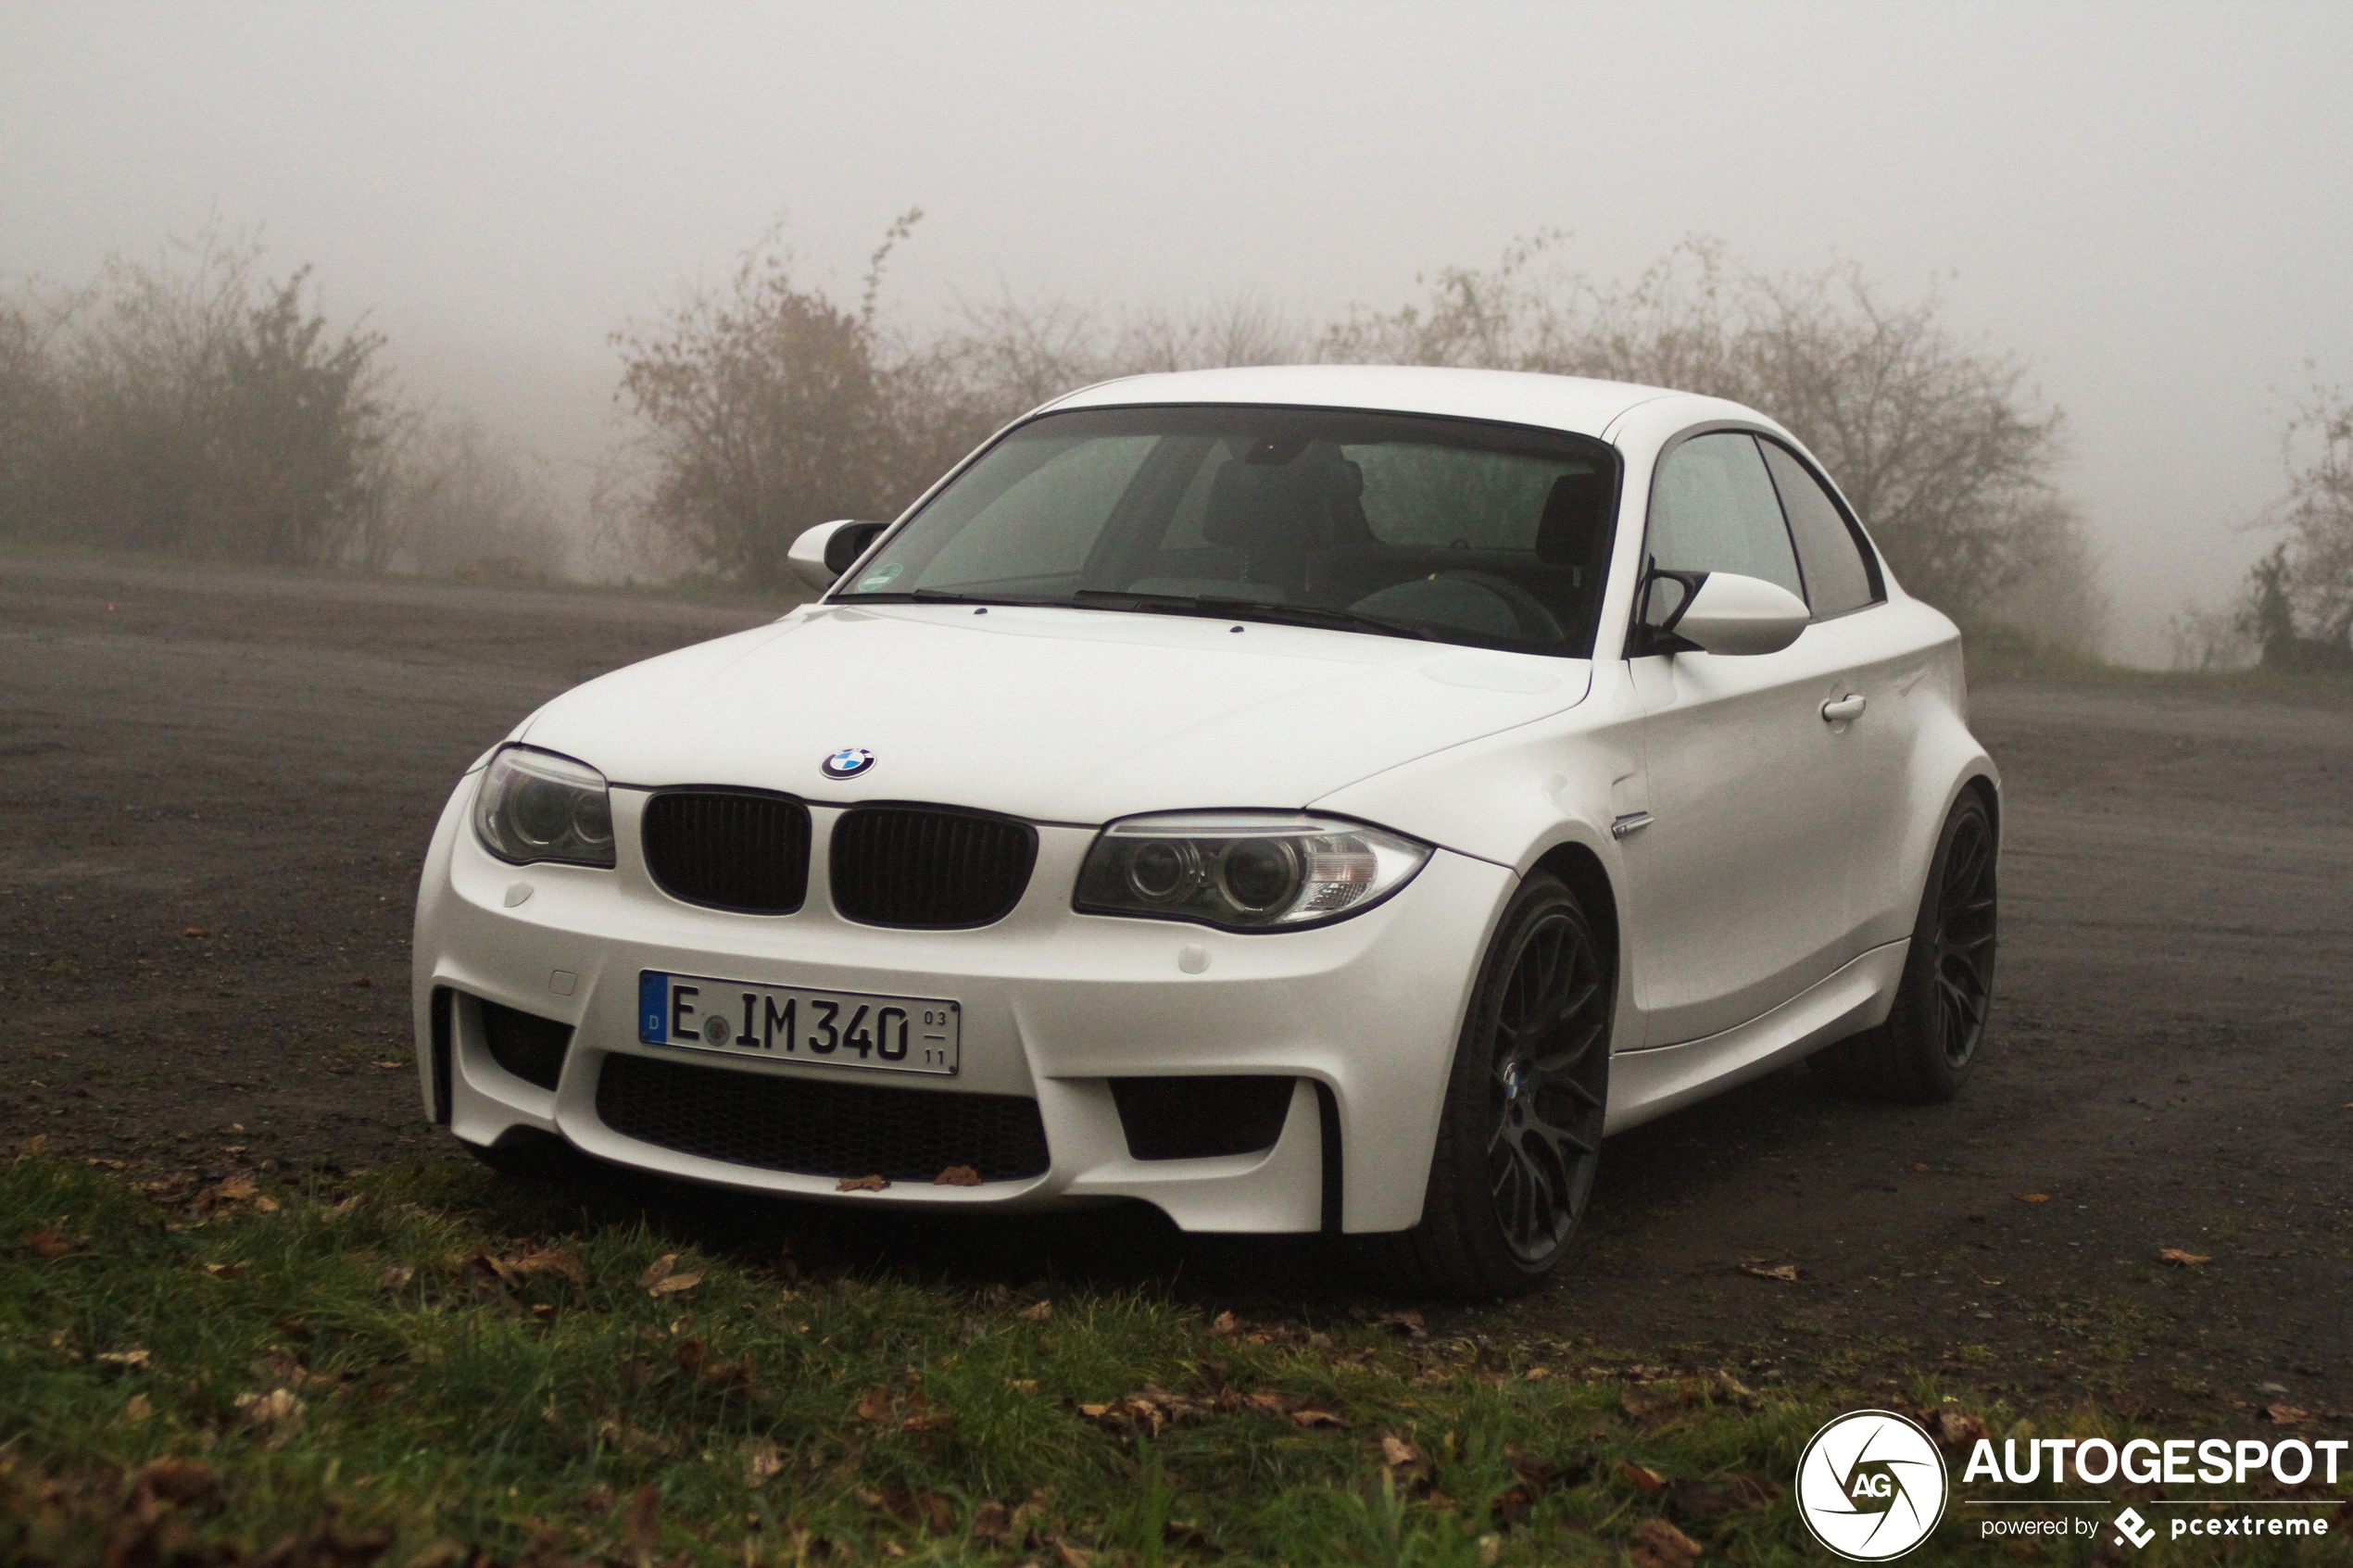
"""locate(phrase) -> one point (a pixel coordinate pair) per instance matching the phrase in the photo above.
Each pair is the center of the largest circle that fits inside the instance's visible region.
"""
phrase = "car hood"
(1054, 715)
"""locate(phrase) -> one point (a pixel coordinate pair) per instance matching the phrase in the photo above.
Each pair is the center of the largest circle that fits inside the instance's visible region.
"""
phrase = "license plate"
(787, 1023)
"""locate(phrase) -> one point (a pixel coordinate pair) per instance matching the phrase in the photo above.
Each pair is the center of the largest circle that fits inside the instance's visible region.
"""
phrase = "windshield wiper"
(1257, 609)
(934, 596)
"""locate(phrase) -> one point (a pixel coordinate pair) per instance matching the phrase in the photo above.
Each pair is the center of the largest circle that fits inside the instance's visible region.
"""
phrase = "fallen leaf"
(1658, 1543)
(861, 1184)
(1398, 1454)
(134, 1358)
(2180, 1259)
(360, 980)
(1727, 1494)
(1322, 1419)
(389, 1064)
(993, 1523)
(1042, 1312)
(138, 1410)
(279, 1408)
(33, 1146)
(235, 1189)
(222, 1270)
(1921, 1166)
(1642, 1476)
(658, 1270)
(1786, 1272)
(1074, 1556)
(1537, 1373)
(1410, 1325)
(47, 1242)
(1955, 1430)
(266, 1204)
(1222, 1325)
(642, 1531)
(393, 1278)
(196, 931)
(675, 1285)
(957, 1176)
(763, 1463)
(177, 1480)
(1027, 1386)
(554, 1261)
(2278, 1415)
(2035, 1198)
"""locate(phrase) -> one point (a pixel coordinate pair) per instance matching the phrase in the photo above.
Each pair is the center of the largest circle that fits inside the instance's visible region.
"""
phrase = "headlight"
(1244, 870)
(537, 806)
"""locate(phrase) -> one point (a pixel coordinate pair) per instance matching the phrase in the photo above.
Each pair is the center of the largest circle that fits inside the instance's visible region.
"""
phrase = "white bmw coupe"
(1301, 799)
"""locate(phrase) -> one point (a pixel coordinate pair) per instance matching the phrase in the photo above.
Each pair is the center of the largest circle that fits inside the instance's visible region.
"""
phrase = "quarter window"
(1714, 510)
(1838, 576)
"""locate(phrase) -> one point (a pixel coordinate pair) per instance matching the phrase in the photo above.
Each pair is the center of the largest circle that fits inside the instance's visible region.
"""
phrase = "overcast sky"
(2150, 204)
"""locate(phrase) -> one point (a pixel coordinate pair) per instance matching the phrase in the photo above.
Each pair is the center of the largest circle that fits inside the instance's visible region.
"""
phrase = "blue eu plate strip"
(653, 1006)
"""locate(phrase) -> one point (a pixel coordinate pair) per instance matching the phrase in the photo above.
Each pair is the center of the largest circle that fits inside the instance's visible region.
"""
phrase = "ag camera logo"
(1871, 1485)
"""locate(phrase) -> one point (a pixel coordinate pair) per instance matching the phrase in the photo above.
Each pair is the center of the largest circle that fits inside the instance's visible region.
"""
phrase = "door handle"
(1844, 709)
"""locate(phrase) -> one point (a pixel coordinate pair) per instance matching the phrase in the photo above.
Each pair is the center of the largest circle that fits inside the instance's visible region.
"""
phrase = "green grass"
(423, 1360)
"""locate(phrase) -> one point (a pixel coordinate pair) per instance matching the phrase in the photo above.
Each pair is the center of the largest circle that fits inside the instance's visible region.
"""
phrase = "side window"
(1838, 578)
(1713, 509)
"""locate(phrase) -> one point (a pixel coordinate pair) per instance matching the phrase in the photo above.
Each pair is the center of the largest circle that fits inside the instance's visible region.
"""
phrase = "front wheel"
(1924, 1051)
(1520, 1134)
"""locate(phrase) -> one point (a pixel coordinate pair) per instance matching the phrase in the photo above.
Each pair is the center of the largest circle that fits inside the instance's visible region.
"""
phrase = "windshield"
(1396, 524)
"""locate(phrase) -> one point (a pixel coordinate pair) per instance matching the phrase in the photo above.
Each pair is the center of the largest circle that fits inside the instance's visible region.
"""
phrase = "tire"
(1925, 1050)
(527, 1154)
(1520, 1134)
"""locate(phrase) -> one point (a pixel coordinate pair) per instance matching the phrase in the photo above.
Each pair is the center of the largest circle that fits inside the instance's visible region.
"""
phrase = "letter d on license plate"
(787, 1024)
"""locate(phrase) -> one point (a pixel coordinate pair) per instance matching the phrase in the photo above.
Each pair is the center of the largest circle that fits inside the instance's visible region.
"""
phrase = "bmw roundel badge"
(849, 762)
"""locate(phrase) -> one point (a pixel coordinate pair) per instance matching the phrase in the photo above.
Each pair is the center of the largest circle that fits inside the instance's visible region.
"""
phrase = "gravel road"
(216, 786)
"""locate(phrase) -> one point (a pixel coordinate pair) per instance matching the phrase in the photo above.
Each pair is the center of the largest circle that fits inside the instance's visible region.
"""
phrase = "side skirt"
(1650, 1083)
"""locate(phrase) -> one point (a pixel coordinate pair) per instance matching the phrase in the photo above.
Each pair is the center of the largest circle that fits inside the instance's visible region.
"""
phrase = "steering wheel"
(1536, 623)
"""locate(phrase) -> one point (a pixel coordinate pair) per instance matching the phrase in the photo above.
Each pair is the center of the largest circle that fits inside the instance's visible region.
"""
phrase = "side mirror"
(1724, 612)
(821, 554)
(1731, 614)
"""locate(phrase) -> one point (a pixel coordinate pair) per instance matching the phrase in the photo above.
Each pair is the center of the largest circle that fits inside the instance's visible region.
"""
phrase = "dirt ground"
(216, 786)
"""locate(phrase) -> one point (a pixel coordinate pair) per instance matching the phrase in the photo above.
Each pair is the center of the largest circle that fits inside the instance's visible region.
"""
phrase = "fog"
(2145, 203)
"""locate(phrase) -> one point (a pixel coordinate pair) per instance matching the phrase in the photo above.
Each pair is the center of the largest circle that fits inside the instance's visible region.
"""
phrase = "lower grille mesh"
(818, 1128)
(927, 868)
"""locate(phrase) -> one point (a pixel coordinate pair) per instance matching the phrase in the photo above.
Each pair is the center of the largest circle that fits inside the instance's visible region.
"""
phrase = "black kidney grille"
(817, 1128)
(919, 866)
(732, 849)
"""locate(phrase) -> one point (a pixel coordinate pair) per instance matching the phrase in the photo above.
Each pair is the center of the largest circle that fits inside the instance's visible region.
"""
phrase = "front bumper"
(1054, 1005)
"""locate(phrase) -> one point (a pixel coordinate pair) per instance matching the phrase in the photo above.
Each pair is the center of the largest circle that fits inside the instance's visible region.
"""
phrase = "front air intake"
(929, 867)
(736, 849)
(531, 1047)
(820, 1127)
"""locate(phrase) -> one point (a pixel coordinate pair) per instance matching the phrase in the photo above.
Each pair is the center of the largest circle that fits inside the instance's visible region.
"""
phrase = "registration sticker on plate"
(787, 1023)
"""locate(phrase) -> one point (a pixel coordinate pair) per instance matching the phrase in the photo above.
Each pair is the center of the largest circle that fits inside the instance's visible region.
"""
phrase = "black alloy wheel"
(1963, 942)
(1520, 1136)
(1923, 1053)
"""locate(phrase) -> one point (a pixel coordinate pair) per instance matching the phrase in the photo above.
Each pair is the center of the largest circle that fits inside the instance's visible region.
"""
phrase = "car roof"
(1569, 403)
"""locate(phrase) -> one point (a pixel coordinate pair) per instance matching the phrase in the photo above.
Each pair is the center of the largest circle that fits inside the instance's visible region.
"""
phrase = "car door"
(1845, 587)
(1741, 874)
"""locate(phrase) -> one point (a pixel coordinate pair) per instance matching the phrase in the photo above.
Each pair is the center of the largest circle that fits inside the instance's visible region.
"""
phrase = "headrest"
(1575, 513)
(1284, 508)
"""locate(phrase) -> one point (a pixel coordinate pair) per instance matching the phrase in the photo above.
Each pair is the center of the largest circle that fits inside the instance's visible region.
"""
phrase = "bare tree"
(463, 499)
(1938, 445)
(192, 408)
(2299, 602)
